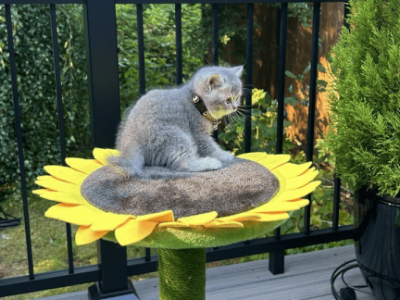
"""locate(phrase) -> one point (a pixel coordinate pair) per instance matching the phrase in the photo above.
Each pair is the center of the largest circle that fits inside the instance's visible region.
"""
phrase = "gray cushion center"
(240, 185)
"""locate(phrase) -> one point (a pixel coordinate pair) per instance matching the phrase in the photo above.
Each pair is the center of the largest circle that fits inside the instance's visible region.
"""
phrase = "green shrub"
(36, 88)
(263, 127)
(159, 45)
(365, 99)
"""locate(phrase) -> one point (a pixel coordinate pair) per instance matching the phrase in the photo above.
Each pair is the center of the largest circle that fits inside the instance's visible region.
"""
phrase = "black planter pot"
(377, 242)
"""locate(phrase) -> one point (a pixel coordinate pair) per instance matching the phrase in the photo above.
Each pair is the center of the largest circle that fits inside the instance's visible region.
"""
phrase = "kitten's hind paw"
(202, 164)
(227, 156)
(210, 163)
(222, 155)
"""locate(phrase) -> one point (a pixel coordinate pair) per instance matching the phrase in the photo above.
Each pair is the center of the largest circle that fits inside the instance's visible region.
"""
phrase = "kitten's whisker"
(241, 114)
(230, 120)
(236, 117)
(225, 122)
(244, 112)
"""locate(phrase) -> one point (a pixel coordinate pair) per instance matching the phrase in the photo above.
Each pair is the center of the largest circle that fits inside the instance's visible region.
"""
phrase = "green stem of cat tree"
(182, 274)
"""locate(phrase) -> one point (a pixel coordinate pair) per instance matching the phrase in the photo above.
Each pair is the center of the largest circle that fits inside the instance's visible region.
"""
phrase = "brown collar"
(198, 102)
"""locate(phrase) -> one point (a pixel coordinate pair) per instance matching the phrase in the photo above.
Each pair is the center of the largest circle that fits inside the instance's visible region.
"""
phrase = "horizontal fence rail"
(100, 26)
(161, 1)
(137, 266)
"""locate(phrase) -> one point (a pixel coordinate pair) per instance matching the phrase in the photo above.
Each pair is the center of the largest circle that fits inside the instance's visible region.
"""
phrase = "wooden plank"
(307, 277)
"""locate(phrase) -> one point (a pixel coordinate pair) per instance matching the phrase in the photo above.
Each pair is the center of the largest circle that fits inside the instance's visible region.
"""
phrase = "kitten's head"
(220, 88)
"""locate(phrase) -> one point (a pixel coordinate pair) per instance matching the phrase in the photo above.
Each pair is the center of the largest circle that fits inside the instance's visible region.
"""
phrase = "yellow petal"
(134, 231)
(66, 174)
(54, 184)
(273, 161)
(270, 217)
(173, 225)
(63, 197)
(254, 156)
(302, 180)
(278, 207)
(101, 155)
(290, 170)
(78, 215)
(164, 216)
(56, 210)
(199, 219)
(246, 216)
(38, 192)
(298, 193)
(257, 217)
(85, 236)
(109, 222)
(301, 202)
(86, 166)
(222, 224)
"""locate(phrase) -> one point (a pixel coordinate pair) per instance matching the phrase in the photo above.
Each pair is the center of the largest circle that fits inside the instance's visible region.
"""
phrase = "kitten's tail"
(131, 165)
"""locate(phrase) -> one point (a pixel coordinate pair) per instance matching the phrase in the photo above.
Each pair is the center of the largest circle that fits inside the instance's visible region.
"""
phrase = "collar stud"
(196, 99)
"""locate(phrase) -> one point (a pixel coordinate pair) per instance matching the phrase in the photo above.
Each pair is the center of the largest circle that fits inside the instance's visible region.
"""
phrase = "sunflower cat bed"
(180, 213)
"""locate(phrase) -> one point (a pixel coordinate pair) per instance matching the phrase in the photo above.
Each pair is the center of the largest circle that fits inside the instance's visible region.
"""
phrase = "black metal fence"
(100, 21)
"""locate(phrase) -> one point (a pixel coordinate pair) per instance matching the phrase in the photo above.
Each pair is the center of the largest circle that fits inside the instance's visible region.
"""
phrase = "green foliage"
(263, 127)
(48, 247)
(36, 88)
(304, 97)
(159, 45)
(365, 99)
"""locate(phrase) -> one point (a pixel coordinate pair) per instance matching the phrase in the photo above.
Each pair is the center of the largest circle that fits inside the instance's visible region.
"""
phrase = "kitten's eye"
(228, 101)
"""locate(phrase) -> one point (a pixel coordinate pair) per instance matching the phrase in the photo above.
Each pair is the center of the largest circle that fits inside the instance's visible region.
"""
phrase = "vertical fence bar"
(214, 46)
(281, 74)
(346, 14)
(102, 71)
(147, 254)
(60, 113)
(249, 76)
(277, 258)
(178, 37)
(336, 203)
(142, 82)
(337, 181)
(17, 112)
(105, 113)
(312, 101)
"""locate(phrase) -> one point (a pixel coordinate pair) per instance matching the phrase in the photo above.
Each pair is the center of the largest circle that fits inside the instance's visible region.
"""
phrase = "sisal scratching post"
(182, 274)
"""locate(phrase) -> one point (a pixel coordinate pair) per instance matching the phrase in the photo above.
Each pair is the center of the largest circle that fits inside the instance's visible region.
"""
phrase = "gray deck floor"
(306, 277)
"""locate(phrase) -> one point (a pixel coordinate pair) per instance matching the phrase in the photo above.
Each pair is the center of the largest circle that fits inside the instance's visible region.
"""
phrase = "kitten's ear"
(237, 70)
(214, 81)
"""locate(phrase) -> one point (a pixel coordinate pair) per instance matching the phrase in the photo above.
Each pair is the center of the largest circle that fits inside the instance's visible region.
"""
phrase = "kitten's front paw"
(210, 163)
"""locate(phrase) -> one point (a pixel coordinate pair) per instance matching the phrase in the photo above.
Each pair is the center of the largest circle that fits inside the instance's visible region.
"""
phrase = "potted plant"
(365, 135)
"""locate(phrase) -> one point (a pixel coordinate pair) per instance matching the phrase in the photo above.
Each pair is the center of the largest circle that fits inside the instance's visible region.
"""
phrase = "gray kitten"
(164, 127)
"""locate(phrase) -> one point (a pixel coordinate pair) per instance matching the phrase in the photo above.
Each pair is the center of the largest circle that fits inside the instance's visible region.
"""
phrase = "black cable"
(340, 271)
